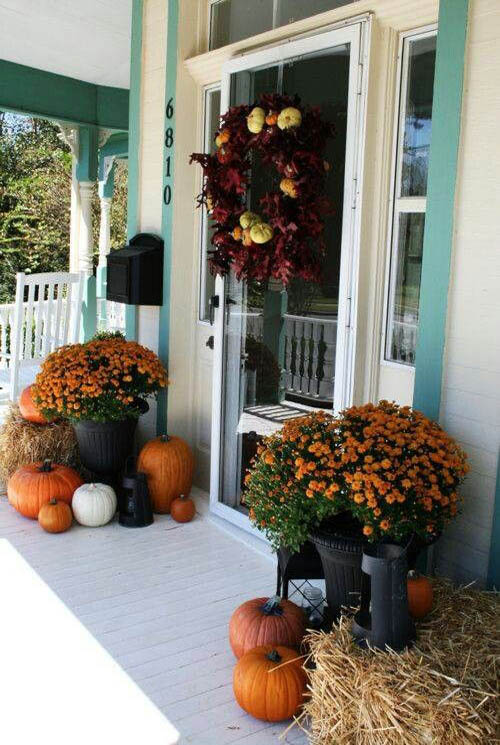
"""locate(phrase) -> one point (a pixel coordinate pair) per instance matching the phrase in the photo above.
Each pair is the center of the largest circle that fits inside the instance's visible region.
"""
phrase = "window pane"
(418, 114)
(295, 10)
(403, 313)
(207, 280)
(233, 20)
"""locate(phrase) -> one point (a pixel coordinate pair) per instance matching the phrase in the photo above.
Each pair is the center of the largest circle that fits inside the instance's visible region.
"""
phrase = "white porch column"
(85, 251)
(69, 135)
(104, 230)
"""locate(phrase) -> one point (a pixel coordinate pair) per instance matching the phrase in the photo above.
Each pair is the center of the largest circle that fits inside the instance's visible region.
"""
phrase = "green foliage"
(35, 201)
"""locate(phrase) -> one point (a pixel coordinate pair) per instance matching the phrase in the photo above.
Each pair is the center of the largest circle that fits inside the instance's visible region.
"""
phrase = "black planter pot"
(340, 544)
(105, 446)
(341, 551)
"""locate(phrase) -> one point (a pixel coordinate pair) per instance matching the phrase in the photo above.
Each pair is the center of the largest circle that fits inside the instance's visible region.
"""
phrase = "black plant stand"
(302, 565)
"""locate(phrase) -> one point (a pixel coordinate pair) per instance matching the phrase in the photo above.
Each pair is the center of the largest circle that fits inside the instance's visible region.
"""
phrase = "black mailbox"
(135, 272)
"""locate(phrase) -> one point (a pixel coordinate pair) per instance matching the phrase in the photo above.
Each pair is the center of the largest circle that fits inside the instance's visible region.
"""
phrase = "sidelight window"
(411, 164)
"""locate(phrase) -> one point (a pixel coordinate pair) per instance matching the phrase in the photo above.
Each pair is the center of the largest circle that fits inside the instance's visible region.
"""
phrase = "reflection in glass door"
(280, 345)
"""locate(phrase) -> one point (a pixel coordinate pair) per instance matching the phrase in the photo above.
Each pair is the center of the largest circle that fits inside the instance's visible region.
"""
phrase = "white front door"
(280, 351)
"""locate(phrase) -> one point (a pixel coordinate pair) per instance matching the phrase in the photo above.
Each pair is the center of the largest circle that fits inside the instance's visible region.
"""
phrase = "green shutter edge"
(26, 90)
(134, 134)
(439, 219)
(167, 210)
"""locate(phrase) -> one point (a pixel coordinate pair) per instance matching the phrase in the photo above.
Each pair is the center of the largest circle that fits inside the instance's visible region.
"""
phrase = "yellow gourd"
(247, 219)
(256, 119)
(289, 117)
(261, 232)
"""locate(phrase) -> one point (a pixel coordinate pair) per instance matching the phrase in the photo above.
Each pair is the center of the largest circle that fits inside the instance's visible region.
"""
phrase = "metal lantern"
(134, 500)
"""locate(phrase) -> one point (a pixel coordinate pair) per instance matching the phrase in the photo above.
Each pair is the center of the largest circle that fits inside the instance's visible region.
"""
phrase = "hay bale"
(444, 691)
(22, 442)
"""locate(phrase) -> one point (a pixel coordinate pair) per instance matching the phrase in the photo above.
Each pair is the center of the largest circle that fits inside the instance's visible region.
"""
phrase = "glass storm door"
(284, 351)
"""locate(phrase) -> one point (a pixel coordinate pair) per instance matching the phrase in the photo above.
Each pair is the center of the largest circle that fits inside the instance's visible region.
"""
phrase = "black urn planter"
(105, 446)
(340, 544)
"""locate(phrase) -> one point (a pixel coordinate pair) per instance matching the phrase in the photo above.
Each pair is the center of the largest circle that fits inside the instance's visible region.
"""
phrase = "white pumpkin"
(94, 504)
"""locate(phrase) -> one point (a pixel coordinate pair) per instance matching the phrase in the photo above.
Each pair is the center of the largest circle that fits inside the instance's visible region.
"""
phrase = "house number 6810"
(169, 141)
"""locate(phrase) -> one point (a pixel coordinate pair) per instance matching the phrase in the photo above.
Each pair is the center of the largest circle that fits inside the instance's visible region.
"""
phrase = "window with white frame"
(211, 117)
(411, 162)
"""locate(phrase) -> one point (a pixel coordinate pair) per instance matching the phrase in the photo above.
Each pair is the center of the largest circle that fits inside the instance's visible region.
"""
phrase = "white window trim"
(203, 218)
(399, 205)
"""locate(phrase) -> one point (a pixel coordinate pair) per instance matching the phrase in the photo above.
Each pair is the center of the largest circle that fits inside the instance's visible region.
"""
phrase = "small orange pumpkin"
(266, 621)
(182, 509)
(34, 485)
(28, 408)
(269, 683)
(272, 118)
(168, 464)
(55, 517)
(420, 595)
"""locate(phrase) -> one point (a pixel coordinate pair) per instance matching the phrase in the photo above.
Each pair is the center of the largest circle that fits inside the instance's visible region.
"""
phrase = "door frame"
(357, 34)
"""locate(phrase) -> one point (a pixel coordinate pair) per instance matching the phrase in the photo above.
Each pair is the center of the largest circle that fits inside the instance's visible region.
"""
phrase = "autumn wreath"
(284, 239)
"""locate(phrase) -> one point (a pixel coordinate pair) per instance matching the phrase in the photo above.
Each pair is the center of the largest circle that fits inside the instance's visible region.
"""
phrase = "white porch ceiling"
(84, 39)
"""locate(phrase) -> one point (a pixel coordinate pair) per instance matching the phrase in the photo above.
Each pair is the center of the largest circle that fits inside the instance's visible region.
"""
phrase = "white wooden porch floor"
(159, 600)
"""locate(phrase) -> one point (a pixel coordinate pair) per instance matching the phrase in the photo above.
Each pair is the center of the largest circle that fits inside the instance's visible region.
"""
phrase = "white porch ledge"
(158, 599)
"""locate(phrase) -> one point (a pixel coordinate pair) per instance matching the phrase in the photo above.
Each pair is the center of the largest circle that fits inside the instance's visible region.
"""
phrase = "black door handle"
(213, 303)
(210, 342)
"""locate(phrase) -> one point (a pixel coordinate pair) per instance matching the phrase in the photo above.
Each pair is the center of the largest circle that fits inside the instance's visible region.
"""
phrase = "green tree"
(35, 200)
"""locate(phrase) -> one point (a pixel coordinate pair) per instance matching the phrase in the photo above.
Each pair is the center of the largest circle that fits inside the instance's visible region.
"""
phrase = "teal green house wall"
(438, 237)
(167, 209)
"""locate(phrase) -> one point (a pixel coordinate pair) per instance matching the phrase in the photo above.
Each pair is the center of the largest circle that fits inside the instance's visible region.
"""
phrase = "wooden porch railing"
(309, 357)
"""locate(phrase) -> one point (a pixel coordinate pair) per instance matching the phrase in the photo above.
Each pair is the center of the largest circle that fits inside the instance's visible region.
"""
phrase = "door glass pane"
(418, 116)
(207, 279)
(233, 20)
(279, 344)
(403, 315)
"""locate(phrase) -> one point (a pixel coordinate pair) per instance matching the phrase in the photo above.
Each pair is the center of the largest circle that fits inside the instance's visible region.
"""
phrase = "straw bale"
(22, 442)
(442, 691)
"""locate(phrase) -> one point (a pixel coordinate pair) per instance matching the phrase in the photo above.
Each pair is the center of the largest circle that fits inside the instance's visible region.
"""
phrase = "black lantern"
(134, 500)
(383, 619)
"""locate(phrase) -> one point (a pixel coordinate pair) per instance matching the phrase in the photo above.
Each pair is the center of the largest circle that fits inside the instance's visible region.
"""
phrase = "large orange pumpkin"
(55, 516)
(420, 595)
(266, 621)
(168, 464)
(269, 683)
(28, 408)
(34, 485)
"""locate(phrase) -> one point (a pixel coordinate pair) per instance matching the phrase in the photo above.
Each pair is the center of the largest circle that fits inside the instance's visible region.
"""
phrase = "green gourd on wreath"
(266, 621)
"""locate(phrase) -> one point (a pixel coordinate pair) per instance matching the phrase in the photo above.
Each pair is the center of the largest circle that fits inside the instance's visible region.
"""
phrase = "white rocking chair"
(46, 315)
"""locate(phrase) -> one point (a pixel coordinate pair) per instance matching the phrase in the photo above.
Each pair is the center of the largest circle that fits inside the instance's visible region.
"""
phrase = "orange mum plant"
(105, 379)
(391, 467)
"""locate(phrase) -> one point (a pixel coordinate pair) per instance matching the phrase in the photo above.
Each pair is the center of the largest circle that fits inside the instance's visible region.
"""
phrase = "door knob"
(210, 342)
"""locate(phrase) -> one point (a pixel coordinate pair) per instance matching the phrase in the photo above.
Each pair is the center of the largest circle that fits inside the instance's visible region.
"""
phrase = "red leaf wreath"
(295, 217)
